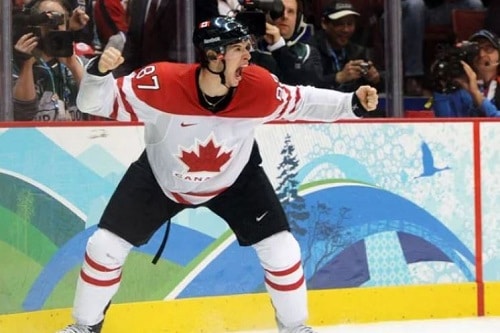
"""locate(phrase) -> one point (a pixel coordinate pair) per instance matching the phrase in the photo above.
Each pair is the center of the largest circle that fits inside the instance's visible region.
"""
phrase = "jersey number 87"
(148, 71)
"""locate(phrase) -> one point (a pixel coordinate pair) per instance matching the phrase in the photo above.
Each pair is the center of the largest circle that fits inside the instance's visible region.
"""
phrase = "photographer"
(417, 15)
(46, 72)
(281, 51)
(474, 91)
(346, 65)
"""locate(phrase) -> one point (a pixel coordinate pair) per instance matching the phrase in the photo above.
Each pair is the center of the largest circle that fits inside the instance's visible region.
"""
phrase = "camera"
(448, 67)
(53, 42)
(365, 66)
(254, 12)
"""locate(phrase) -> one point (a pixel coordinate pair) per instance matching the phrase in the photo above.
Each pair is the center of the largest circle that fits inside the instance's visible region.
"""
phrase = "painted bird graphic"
(429, 169)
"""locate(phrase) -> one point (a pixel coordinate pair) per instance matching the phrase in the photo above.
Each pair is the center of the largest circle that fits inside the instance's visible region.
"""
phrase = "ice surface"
(460, 325)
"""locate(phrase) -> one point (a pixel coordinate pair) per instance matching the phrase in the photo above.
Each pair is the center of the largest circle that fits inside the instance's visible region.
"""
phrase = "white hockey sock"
(284, 277)
(100, 276)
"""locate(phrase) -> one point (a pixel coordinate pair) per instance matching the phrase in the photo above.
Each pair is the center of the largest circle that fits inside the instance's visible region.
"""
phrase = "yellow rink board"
(492, 298)
(254, 311)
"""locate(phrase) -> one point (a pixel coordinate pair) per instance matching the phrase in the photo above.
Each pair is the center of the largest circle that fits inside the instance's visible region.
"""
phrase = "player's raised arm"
(97, 92)
(325, 105)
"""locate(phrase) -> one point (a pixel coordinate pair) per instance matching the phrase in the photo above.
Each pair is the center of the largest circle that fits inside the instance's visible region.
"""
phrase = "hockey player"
(199, 122)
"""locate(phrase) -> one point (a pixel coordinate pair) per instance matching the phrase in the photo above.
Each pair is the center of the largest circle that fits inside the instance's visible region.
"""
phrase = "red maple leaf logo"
(208, 158)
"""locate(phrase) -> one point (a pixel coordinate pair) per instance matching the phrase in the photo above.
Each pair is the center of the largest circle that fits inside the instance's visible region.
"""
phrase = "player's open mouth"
(238, 72)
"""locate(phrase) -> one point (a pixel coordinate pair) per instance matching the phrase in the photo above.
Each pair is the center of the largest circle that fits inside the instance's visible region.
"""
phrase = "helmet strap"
(221, 73)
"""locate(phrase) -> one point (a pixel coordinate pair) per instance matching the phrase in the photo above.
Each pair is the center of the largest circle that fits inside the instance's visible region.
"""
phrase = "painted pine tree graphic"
(287, 189)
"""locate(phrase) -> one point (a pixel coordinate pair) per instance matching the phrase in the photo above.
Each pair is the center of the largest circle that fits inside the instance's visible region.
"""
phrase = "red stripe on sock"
(99, 283)
(97, 266)
(286, 271)
(286, 287)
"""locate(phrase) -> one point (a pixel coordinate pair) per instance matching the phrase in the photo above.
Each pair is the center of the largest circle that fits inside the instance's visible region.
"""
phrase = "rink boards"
(409, 209)
(254, 312)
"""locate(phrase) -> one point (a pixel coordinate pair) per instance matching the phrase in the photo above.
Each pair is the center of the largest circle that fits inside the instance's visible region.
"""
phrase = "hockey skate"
(77, 328)
(301, 328)
(297, 329)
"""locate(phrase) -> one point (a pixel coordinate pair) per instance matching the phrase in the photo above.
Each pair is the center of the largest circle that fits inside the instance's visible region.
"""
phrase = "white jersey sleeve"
(314, 104)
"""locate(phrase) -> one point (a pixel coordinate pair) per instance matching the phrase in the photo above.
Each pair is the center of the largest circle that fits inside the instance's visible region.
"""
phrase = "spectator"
(45, 84)
(479, 94)
(283, 54)
(346, 65)
(110, 18)
(417, 14)
(156, 37)
(222, 100)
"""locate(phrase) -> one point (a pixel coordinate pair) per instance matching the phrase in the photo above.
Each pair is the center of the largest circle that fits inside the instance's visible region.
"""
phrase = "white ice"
(460, 325)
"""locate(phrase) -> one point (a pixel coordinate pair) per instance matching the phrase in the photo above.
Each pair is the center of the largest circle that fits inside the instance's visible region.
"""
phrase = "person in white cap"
(346, 65)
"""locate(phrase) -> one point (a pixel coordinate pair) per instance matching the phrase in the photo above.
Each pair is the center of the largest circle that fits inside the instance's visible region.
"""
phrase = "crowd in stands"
(332, 44)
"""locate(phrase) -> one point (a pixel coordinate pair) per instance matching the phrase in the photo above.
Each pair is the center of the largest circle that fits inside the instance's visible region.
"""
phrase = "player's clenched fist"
(110, 59)
(368, 97)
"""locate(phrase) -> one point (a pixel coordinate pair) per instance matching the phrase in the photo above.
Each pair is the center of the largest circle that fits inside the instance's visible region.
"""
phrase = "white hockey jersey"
(195, 153)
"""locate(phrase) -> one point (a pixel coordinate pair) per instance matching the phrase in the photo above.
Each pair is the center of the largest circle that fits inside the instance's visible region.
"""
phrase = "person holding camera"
(219, 101)
(281, 51)
(417, 15)
(474, 92)
(346, 65)
(46, 72)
